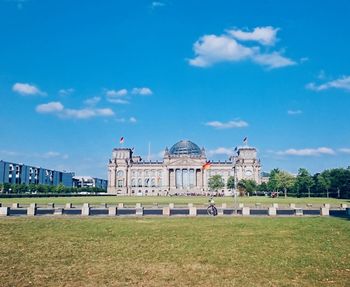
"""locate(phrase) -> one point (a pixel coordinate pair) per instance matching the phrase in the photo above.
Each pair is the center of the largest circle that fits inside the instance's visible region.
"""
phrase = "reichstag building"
(183, 170)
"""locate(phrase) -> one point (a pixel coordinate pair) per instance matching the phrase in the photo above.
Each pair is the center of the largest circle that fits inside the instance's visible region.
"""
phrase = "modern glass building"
(17, 173)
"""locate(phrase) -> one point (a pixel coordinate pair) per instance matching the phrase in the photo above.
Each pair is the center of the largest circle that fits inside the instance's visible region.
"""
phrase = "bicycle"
(212, 210)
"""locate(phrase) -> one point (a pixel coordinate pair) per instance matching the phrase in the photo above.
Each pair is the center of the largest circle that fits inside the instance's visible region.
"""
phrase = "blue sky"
(75, 76)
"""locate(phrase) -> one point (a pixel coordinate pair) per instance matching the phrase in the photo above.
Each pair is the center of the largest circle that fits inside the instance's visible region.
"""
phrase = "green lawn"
(311, 251)
(148, 200)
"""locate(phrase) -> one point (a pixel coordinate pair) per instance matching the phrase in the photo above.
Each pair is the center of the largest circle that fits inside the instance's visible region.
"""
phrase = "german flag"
(207, 165)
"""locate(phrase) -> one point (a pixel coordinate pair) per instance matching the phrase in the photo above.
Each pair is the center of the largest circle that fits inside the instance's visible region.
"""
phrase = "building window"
(120, 173)
(139, 182)
(133, 182)
(146, 173)
(120, 183)
(153, 182)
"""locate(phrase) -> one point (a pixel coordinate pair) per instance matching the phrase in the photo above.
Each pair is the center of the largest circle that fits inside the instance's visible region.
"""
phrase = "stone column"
(4, 211)
(245, 211)
(85, 210)
(166, 211)
(193, 211)
(31, 210)
(272, 211)
(324, 211)
(139, 211)
(112, 211)
(68, 206)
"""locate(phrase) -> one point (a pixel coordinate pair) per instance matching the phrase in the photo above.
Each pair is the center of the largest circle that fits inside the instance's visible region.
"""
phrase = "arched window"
(133, 182)
(139, 182)
(153, 182)
(147, 182)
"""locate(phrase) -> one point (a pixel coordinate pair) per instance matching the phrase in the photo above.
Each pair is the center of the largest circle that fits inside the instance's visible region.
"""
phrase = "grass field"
(312, 251)
(199, 200)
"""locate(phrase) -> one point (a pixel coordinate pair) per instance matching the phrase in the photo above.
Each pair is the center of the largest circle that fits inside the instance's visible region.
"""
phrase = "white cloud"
(52, 107)
(273, 60)
(142, 91)
(156, 4)
(118, 101)
(220, 151)
(132, 120)
(114, 93)
(92, 101)
(344, 150)
(227, 125)
(212, 49)
(263, 35)
(308, 152)
(342, 83)
(87, 113)
(58, 109)
(26, 89)
(294, 112)
(65, 92)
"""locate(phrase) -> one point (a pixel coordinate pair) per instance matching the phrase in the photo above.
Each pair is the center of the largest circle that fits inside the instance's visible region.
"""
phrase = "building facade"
(18, 173)
(89, 181)
(182, 170)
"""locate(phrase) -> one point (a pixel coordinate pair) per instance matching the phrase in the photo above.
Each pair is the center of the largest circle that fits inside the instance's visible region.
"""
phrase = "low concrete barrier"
(15, 205)
(272, 211)
(120, 205)
(85, 210)
(193, 211)
(240, 205)
(68, 206)
(103, 205)
(220, 211)
(138, 205)
(245, 211)
(224, 205)
(327, 205)
(166, 211)
(275, 205)
(190, 205)
(348, 211)
(324, 211)
(4, 211)
(112, 211)
(51, 205)
(171, 205)
(343, 205)
(292, 205)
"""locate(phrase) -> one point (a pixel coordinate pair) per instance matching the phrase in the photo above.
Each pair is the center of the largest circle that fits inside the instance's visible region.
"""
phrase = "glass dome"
(185, 148)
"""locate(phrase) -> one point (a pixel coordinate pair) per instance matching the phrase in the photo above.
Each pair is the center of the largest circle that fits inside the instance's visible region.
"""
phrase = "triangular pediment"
(186, 161)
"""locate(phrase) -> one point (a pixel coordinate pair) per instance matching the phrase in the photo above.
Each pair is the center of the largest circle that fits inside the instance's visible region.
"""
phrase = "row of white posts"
(139, 210)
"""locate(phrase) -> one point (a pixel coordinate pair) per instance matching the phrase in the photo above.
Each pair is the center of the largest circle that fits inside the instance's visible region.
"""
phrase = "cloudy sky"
(75, 76)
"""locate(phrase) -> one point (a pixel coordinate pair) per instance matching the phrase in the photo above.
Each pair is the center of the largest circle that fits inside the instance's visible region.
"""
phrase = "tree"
(262, 187)
(273, 180)
(284, 181)
(216, 182)
(304, 181)
(324, 181)
(230, 182)
(60, 188)
(246, 186)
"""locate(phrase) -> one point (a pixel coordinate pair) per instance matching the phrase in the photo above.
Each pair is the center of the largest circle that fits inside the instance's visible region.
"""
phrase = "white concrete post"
(4, 211)
(31, 210)
(220, 211)
(138, 205)
(298, 211)
(112, 211)
(171, 205)
(120, 205)
(292, 205)
(324, 211)
(15, 205)
(245, 211)
(104, 205)
(51, 205)
(58, 211)
(240, 205)
(224, 205)
(272, 211)
(85, 210)
(190, 205)
(166, 211)
(68, 206)
(139, 211)
(193, 211)
(275, 205)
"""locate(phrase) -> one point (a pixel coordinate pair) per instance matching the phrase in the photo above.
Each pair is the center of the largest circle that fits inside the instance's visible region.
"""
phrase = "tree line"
(329, 183)
(43, 188)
